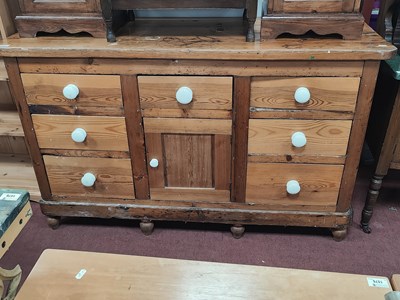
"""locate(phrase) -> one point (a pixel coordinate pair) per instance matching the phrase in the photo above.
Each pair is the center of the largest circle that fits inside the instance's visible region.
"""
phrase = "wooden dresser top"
(172, 42)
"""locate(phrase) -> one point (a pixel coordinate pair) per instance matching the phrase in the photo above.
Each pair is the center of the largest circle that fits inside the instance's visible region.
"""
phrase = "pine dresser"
(196, 127)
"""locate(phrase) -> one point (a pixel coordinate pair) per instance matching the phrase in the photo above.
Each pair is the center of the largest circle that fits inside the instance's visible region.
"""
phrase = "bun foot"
(53, 222)
(147, 227)
(365, 228)
(237, 231)
(339, 233)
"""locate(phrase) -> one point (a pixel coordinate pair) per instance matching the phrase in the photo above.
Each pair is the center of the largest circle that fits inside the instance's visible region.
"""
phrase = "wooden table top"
(61, 274)
(193, 39)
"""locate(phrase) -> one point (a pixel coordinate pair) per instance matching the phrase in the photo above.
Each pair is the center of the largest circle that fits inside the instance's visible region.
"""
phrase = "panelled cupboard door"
(60, 6)
(189, 159)
(310, 6)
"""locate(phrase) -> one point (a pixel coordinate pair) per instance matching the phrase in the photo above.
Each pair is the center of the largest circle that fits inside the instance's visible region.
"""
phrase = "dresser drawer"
(188, 93)
(305, 93)
(313, 6)
(286, 137)
(60, 6)
(68, 132)
(317, 184)
(103, 177)
(76, 90)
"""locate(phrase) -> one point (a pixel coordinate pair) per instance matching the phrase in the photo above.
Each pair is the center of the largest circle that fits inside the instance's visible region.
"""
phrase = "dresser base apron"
(337, 221)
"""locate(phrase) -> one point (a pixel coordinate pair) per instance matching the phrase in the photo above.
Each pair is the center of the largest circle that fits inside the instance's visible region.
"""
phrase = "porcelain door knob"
(71, 91)
(79, 135)
(184, 95)
(154, 163)
(302, 95)
(299, 139)
(293, 187)
(88, 179)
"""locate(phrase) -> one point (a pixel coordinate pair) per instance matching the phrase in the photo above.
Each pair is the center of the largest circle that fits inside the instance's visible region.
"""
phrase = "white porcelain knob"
(184, 95)
(293, 187)
(71, 91)
(299, 139)
(79, 135)
(88, 179)
(302, 95)
(154, 163)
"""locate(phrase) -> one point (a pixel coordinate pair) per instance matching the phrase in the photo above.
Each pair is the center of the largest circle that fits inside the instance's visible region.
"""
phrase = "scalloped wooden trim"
(323, 24)
(29, 26)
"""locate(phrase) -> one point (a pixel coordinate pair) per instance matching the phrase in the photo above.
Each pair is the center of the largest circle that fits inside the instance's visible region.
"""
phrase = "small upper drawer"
(81, 132)
(185, 93)
(305, 93)
(87, 176)
(313, 6)
(293, 184)
(298, 137)
(60, 6)
(76, 90)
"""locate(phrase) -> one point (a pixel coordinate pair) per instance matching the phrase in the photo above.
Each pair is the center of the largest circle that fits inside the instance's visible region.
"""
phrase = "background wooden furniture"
(92, 274)
(383, 132)
(249, 6)
(229, 112)
(15, 163)
(54, 15)
(321, 17)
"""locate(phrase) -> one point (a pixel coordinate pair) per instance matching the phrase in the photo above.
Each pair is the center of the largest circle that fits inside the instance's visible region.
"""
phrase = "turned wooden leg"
(147, 227)
(251, 16)
(373, 193)
(251, 36)
(131, 16)
(237, 231)
(339, 233)
(53, 222)
(106, 7)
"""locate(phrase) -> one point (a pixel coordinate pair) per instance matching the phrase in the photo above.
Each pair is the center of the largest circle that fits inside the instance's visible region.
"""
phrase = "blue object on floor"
(11, 203)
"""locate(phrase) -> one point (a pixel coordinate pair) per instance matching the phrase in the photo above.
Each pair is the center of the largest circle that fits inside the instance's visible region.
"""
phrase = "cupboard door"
(189, 159)
(60, 6)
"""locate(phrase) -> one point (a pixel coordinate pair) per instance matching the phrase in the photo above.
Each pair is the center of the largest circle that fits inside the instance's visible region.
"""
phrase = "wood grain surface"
(193, 126)
(183, 46)
(56, 6)
(327, 94)
(10, 124)
(209, 93)
(189, 160)
(266, 183)
(190, 166)
(113, 176)
(324, 137)
(209, 67)
(17, 173)
(312, 6)
(47, 89)
(135, 277)
(103, 133)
